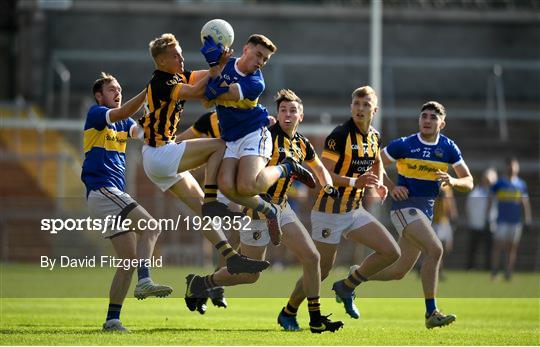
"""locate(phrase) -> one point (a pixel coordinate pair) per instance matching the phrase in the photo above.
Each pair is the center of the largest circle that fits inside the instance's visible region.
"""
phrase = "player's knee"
(226, 186)
(435, 252)
(246, 188)
(310, 257)
(149, 234)
(399, 274)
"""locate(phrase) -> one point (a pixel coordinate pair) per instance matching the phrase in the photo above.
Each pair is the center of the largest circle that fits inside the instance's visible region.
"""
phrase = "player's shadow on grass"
(173, 330)
(46, 330)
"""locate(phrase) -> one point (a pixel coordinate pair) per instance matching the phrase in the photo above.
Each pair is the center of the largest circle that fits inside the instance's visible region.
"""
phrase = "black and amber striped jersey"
(354, 154)
(163, 107)
(207, 124)
(299, 148)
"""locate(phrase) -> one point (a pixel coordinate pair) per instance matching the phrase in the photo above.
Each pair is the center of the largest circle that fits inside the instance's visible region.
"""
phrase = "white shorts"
(402, 217)
(328, 227)
(508, 232)
(444, 231)
(110, 201)
(161, 164)
(258, 235)
(258, 142)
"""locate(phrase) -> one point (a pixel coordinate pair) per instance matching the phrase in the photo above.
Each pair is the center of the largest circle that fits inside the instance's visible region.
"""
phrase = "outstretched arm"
(320, 171)
(128, 109)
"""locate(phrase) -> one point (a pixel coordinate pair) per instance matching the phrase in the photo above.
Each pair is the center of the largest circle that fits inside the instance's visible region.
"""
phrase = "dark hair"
(258, 39)
(434, 106)
(288, 95)
(98, 84)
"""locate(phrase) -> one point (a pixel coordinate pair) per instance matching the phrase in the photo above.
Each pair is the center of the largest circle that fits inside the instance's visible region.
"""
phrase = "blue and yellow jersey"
(104, 150)
(417, 162)
(509, 194)
(239, 118)
(354, 154)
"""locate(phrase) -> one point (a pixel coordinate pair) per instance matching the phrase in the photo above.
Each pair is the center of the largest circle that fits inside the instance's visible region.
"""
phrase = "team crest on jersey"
(412, 212)
(256, 235)
(175, 80)
(326, 233)
(438, 152)
(332, 144)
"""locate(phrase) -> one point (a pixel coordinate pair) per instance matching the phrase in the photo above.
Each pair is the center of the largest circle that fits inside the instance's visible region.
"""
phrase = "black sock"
(142, 272)
(114, 311)
(354, 279)
(290, 310)
(314, 307)
(209, 281)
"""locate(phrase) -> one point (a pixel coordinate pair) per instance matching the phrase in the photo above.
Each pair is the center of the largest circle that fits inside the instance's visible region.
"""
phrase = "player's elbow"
(467, 185)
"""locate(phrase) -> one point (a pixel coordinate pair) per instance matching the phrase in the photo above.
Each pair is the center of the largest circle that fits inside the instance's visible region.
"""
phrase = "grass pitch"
(252, 321)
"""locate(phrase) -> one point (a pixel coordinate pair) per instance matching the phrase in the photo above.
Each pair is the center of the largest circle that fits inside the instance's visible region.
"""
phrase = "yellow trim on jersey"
(360, 145)
(508, 195)
(420, 169)
(330, 155)
(347, 158)
(244, 104)
(107, 138)
(214, 123)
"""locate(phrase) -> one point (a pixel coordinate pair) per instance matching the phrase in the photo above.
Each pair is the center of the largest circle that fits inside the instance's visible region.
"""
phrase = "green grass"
(252, 322)
(503, 320)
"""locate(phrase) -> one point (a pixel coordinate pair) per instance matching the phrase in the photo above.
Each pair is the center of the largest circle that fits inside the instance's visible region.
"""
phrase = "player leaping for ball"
(287, 144)
(243, 122)
(166, 162)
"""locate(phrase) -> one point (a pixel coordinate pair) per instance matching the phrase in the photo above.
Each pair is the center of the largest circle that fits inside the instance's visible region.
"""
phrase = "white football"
(220, 30)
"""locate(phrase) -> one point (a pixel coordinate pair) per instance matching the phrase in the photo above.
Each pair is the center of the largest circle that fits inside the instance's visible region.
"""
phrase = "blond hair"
(360, 92)
(434, 106)
(258, 39)
(98, 84)
(160, 44)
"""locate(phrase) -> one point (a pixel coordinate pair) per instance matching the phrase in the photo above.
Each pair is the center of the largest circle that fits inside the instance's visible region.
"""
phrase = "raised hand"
(212, 51)
(214, 88)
